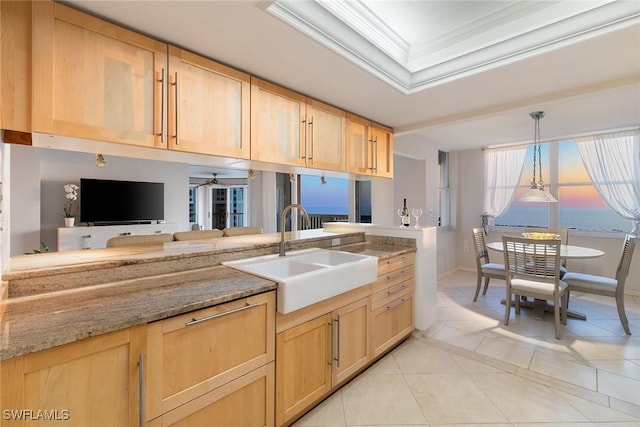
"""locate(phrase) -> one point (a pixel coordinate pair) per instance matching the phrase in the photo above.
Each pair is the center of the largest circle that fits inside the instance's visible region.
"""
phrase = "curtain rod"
(561, 138)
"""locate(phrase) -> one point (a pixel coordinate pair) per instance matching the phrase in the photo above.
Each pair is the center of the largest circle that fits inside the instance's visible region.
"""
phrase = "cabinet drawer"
(194, 353)
(392, 278)
(392, 293)
(391, 322)
(395, 263)
(247, 401)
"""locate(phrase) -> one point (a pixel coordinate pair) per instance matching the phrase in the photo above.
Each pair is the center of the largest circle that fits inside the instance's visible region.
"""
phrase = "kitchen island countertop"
(37, 322)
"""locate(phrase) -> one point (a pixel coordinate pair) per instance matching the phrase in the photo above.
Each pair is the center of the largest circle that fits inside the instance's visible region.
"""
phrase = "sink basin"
(307, 276)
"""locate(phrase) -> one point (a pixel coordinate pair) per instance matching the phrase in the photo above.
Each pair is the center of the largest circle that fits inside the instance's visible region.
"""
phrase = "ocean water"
(591, 219)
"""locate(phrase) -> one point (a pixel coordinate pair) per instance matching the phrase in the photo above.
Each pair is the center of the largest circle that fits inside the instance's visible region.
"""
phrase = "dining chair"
(533, 270)
(485, 268)
(607, 286)
(564, 238)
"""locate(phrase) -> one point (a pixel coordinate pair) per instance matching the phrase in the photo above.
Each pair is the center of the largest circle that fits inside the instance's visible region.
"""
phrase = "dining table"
(566, 252)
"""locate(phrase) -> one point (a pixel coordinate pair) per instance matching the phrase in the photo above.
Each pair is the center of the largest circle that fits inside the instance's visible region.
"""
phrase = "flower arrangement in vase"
(71, 194)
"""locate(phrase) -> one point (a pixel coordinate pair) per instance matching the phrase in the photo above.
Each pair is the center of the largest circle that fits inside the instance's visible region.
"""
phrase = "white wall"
(39, 175)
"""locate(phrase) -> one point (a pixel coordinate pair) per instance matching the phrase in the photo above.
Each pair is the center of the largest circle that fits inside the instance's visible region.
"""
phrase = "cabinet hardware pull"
(395, 276)
(400, 289)
(311, 131)
(370, 144)
(141, 391)
(337, 359)
(303, 152)
(162, 108)
(175, 84)
(375, 154)
(396, 305)
(214, 316)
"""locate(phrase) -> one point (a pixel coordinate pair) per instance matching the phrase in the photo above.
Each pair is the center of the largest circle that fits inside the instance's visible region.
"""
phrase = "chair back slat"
(625, 260)
(480, 246)
(534, 258)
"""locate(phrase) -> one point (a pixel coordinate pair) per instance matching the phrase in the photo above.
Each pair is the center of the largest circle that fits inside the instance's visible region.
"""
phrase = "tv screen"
(120, 202)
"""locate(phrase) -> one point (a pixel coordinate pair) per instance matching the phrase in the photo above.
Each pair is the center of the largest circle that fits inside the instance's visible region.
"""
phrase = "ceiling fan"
(213, 181)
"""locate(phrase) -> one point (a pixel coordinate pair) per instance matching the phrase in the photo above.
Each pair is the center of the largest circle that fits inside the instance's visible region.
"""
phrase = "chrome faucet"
(283, 215)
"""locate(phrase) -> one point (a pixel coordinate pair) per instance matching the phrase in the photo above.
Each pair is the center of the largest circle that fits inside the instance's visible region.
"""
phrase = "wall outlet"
(465, 246)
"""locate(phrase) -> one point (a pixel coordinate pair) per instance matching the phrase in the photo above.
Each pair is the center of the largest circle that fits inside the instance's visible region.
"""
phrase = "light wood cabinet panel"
(191, 354)
(15, 72)
(325, 136)
(96, 80)
(245, 402)
(303, 367)
(277, 116)
(351, 339)
(392, 322)
(77, 380)
(369, 148)
(358, 145)
(209, 106)
(382, 141)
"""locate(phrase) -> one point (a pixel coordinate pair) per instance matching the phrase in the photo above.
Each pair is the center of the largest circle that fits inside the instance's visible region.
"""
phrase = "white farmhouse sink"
(307, 276)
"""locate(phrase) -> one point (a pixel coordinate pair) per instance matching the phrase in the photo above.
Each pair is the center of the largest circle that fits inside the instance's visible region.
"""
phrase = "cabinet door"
(326, 127)
(95, 80)
(350, 339)
(303, 367)
(245, 402)
(194, 353)
(15, 57)
(277, 131)
(358, 145)
(208, 106)
(93, 382)
(382, 143)
(392, 322)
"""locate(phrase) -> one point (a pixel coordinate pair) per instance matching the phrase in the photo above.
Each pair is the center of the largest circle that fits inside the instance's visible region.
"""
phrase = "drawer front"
(394, 263)
(392, 293)
(191, 354)
(391, 323)
(392, 278)
(247, 401)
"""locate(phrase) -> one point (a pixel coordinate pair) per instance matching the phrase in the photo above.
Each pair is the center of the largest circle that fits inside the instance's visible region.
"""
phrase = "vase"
(69, 222)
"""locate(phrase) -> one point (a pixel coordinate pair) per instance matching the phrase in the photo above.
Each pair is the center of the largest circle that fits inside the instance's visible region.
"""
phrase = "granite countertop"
(39, 322)
(42, 321)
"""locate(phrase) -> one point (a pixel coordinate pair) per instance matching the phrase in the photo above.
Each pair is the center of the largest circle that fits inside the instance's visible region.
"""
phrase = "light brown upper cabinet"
(289, 128)
(15, 57)
(95, 80)
(369, 148)
(208, 107)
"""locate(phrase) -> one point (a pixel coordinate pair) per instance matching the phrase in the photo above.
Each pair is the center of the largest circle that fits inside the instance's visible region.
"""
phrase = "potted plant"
(71, 194)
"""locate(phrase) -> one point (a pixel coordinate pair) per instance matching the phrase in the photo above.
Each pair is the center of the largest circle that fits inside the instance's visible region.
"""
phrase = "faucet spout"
(283, 215)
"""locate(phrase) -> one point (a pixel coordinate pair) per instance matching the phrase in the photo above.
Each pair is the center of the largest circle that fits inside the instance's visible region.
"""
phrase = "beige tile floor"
(471, 370)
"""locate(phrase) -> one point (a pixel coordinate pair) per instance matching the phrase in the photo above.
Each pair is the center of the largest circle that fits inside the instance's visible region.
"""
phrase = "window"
(193, 203)
(524, 214)
(325, 199)
(443, 189)
(579, 205)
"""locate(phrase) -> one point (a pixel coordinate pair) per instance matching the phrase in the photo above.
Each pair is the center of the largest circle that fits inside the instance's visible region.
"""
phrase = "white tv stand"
(83, 237)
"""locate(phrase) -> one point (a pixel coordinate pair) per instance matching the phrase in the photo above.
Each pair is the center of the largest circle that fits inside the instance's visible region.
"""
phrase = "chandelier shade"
(537, 193)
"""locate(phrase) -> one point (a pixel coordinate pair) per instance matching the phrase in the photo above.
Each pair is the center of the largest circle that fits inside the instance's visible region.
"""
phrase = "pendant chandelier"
(536, 193)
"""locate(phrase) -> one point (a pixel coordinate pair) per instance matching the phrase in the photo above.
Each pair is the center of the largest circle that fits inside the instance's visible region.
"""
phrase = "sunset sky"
(571, 171)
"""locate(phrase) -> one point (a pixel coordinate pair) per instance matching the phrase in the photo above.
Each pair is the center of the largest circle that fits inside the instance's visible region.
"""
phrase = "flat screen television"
(104, 202)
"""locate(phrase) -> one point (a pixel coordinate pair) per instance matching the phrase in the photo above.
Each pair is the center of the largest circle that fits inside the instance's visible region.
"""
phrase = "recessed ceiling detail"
(414, 45)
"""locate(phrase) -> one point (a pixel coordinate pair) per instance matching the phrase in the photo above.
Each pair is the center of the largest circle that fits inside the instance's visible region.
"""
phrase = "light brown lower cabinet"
(243, 402)
(214, 365)
(318, 355)
(194, 358)
(93, 382)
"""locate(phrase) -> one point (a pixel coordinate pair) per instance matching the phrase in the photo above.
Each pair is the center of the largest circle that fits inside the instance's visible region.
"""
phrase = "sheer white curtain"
(613, 164)
(502, 171)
